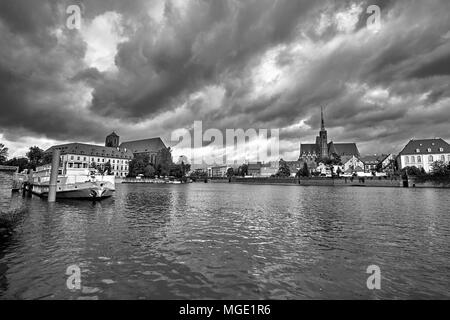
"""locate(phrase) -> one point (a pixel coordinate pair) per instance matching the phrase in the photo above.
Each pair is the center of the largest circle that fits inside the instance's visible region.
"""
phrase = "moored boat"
(74, 184)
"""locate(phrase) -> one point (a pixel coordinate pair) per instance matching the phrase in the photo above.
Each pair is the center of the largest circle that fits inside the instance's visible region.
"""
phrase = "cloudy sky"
(147, 67)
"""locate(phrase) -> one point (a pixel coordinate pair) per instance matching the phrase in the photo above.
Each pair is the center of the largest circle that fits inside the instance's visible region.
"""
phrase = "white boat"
(74, 183)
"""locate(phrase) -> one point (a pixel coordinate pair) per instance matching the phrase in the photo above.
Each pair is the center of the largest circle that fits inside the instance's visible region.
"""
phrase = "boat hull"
(79, 194)
(85, 191)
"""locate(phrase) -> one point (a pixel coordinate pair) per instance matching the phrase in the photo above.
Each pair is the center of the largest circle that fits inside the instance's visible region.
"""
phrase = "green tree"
(137, 165)
(243, 170)
(36, 156)
(412, 171)
(3, 153)
(149, 171)
(440, 169)
(304, 172)
(163, 162)
(283, 171)
(22, 163)
(108, 168)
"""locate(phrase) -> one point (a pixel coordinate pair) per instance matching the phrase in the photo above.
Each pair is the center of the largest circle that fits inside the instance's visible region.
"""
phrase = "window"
(84, 159)
(441, 149)
(443, 158)
(413, 159)
(419, 159)
(78, 158)
(417, 150)
(407, 159)
(429, 149)
(430, 159)
(71, 157)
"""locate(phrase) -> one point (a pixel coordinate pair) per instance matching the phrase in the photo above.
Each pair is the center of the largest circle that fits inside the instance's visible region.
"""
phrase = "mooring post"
(54, 175)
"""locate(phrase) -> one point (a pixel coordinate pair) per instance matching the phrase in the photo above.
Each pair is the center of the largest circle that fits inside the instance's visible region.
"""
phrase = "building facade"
(79, 156)
(423, 153)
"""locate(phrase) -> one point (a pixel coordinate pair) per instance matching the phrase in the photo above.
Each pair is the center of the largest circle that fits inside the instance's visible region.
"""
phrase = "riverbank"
(349, 182)
(391, 182)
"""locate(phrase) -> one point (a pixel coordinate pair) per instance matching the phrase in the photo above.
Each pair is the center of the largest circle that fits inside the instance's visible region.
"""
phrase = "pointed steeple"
(321, 116)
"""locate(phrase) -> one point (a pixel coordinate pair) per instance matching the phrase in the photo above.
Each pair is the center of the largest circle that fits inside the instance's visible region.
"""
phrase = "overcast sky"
(146, 68)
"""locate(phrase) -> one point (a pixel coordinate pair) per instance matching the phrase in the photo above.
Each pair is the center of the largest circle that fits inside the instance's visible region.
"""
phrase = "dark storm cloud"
(215, 61)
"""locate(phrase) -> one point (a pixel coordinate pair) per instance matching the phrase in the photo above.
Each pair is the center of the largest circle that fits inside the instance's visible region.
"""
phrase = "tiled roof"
(422, 146)
(345, 159)
(142, 146)
(344, 149)
(92, 150)
(372, 159)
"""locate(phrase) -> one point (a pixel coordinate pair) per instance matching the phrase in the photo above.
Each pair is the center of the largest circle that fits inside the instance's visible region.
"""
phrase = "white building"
(352, 163)
(82, 156)
(423, 153)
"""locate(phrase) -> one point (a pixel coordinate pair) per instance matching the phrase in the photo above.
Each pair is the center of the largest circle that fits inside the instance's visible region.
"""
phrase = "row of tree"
(35, 157)
(162, 166)
(439, 169)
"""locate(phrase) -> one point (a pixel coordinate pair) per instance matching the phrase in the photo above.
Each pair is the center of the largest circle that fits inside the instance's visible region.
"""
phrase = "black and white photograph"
(255, 151)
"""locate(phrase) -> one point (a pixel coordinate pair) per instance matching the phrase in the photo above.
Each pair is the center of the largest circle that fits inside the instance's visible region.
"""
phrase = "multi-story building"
(423, 153)
(218, 171)
(84, 156)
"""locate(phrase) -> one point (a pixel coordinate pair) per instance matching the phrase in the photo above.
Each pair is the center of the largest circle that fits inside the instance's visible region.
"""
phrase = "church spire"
(321, 116)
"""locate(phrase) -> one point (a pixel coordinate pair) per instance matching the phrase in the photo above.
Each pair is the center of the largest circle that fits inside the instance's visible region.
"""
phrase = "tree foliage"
(3, 153)
(36, 156)
(441, 169)
(243, 170)
(283, 171)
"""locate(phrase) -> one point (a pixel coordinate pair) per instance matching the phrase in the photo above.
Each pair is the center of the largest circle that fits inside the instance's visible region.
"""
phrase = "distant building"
(423, 153)
(270, 169)
(352, 164)
(148, 147)
(81, 156)
(324, 150)
(112, 140)
(254, 169)
(218, 171)
(375, 162)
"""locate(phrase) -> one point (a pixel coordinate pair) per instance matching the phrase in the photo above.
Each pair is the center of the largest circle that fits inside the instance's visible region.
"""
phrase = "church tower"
(112, 140)
(323, 138)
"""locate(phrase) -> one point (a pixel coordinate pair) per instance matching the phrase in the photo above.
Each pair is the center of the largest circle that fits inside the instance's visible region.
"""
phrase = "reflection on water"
(231, 241)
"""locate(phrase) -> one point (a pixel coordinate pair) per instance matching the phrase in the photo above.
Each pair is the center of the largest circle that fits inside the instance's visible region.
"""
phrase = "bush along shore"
(9, 220)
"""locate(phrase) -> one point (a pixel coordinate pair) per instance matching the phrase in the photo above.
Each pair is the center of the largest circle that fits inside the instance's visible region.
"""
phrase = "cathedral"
(323, 149)
(149, 147)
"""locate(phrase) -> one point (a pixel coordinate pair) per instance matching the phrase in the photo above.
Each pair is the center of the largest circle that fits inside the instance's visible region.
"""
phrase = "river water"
(231, 241)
